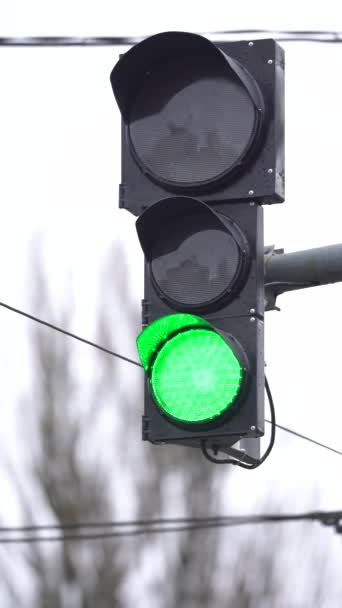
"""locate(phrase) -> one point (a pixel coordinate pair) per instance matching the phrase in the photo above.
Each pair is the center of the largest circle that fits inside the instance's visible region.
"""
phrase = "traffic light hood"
(129, 74)
(162, 212)
(200, 119)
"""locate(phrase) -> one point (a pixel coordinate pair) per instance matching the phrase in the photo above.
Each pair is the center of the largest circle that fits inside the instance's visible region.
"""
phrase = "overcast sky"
(60, 170)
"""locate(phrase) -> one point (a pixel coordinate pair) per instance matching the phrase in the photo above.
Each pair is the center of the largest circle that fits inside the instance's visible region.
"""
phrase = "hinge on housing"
(145, 428)
(121, 196)
(145, 312)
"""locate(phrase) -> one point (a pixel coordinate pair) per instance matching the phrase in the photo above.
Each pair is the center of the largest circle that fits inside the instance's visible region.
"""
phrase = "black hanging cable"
(68, 333)
(239, 463)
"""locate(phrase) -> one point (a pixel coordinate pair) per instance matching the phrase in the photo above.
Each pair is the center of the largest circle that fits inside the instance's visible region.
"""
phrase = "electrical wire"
(103, 41)
(63, 41)
(116, 524)
(322, 445)
(327, 518)
(68, 333)
(269, 449)
(114, 354)
(108, 535)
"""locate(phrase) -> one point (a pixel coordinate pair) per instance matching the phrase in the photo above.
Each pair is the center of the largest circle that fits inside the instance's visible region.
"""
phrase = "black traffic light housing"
(202, 150)
(237, 313)
(245, 157)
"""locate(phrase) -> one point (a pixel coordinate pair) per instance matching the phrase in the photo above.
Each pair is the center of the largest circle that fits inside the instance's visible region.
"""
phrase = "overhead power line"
(322, 445)
(114, 354)
(161, 526)
(219, 36)
(68, 333)
(322, 516)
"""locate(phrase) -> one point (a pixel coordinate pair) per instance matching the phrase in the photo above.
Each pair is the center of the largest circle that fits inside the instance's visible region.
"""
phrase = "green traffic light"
(195, 376)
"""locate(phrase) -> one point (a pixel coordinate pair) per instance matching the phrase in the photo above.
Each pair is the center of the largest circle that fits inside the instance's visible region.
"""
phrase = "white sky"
(60, 170)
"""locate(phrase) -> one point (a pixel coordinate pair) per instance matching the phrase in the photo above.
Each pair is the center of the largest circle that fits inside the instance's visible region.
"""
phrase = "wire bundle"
(220, 36)
(120, 529)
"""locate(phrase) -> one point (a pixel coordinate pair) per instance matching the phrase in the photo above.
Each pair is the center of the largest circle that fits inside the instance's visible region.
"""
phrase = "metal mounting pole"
(299, 270)
(288, 272)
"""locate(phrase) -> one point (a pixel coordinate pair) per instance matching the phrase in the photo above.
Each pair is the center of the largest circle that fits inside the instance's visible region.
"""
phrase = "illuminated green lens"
(196, 376)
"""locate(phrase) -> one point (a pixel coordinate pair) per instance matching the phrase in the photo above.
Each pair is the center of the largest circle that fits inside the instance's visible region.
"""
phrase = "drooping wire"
(321, 445)
(68, 333)
(239, 463)
(114, 354)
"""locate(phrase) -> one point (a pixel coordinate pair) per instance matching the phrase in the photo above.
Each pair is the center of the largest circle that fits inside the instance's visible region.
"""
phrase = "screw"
(270, 61)
(251, 192)
(253, 428)
(252, 311)
(265, 364)
(251, 204)
(270, 171)
(252, 319)
(250, 43)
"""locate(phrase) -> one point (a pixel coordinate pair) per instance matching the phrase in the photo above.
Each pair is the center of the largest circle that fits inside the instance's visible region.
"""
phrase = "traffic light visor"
(194, 373)
(192, 114)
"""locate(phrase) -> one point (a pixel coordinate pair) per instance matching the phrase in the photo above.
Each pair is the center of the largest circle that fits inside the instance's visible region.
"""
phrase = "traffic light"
(202, 151)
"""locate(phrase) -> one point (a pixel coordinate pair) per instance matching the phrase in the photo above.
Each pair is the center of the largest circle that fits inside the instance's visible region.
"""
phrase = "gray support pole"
(319, 266)
(301, 269)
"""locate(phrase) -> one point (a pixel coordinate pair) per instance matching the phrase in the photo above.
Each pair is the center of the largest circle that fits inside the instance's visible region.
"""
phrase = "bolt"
(251, 192)
(265, 364)
(250, 43)
(253, 428)
(270, 61)
(270, 171)
(251, 204)
(252, 319)
(252, 311)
